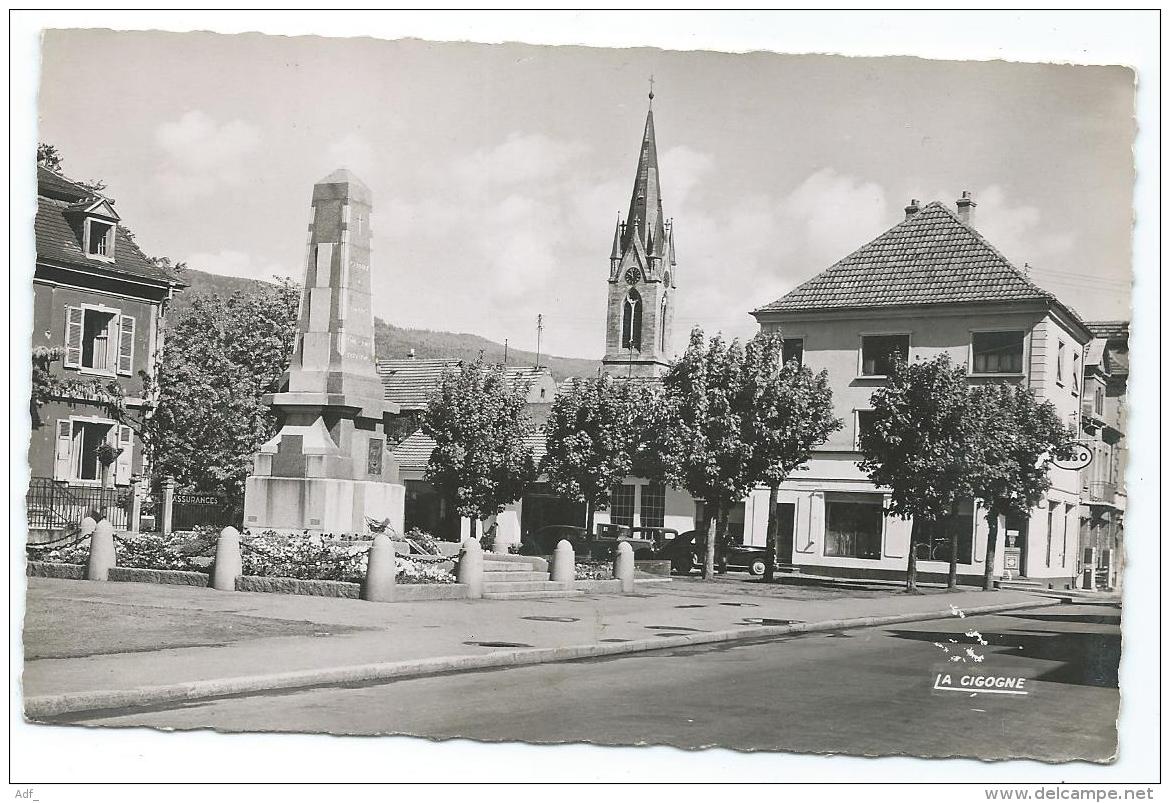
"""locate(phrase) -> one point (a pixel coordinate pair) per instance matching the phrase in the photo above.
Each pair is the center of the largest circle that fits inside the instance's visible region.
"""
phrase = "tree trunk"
(989, 559)
(953, 570)
(773, 534)
(589, 511)
(709, 550)
(474, 524)
(912, 568)
(721, 536)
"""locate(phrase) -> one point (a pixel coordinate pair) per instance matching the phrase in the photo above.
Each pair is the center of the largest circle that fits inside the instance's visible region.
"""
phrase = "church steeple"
(646, 199)
(641, 274)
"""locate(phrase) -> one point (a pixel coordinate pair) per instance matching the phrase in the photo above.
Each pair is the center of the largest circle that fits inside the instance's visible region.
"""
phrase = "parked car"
(687, 552)
(608, 536)
(544, 541)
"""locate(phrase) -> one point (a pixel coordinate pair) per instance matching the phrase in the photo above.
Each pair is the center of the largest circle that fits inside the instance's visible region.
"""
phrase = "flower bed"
(593, 570)
(316, 557)
(269, 554)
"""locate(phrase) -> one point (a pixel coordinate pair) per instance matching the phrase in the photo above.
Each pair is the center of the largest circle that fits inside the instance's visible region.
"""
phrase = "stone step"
(531, 594)
(535, 585)
(501, 566)
(512, 577)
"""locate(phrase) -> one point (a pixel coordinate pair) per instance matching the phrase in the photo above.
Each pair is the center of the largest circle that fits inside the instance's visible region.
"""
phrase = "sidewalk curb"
(54, 705)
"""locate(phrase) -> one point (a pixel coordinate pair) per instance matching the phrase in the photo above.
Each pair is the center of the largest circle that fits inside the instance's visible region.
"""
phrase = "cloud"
(1020, 231)
(354, 152)
(738, 256)
(239, 263)
(519, 159)
(201, 155)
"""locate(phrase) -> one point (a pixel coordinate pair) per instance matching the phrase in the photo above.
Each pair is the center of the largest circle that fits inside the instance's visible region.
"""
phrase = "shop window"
(621, 506)
(853, 527)
(653, 507)
(933, 538)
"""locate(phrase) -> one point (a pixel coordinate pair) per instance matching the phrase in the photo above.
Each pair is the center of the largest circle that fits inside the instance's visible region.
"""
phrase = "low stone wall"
(288, 585)
(58, 571)
(121, 574)
(427, 591)
(598, 586)
(403, 592)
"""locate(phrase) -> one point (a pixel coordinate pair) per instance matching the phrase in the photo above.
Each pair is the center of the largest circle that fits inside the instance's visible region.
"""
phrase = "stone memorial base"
(322, 505)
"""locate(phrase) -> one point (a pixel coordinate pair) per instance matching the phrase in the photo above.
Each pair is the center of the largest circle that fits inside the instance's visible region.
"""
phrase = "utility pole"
(539, 331)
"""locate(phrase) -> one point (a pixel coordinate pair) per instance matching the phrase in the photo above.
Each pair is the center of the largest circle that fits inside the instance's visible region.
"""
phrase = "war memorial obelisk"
(328, 469)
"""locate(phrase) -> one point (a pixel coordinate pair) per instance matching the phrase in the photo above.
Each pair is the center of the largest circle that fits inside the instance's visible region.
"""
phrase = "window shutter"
(126, 346)
(74, 324)
(125, 462)
(63, 454)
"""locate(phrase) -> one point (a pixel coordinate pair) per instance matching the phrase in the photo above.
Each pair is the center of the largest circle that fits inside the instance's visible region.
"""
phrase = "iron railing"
(190, 509)
(58, 507)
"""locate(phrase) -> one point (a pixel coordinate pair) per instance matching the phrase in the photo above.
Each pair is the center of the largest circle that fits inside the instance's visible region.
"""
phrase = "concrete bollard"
(471, 568)
(229, 566)
(102, 556)
(623, 566)
(564, 564)
(381, 569)
(87, 526)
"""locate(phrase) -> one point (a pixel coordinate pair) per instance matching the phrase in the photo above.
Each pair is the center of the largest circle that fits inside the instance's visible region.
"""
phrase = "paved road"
(858, 692)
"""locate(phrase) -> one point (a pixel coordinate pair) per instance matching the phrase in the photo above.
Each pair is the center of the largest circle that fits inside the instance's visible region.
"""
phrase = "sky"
(498, 170)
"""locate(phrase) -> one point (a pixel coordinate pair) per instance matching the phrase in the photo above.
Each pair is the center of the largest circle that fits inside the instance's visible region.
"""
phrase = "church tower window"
(632, 322)
(662, 328)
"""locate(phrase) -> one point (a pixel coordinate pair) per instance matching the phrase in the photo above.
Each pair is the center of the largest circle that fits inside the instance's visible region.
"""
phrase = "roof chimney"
(966, 206)
(410, 356)
(913, 209)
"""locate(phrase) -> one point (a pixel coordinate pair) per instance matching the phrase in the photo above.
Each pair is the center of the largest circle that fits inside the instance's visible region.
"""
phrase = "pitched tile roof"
(931, 257)
(411, 382)
(414, 452)
(1110, 330)
(59, 238)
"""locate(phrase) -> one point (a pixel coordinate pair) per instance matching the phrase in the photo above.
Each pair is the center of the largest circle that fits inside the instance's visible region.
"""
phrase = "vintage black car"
(687, 551)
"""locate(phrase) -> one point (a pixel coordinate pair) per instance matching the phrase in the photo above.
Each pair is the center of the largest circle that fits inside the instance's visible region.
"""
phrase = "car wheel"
(757, 567)
(682, 567)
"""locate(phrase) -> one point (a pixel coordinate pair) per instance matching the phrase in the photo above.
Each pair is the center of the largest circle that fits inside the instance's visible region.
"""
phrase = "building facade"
(98, 298)
(929, 285)
(1103, 426)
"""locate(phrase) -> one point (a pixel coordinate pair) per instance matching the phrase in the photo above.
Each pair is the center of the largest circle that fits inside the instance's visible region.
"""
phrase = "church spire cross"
(651, 89)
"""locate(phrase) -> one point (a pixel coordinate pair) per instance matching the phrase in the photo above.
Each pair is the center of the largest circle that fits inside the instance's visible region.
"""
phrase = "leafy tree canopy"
(221, 355)
(479, 422)
(919, 442)
(594, 436)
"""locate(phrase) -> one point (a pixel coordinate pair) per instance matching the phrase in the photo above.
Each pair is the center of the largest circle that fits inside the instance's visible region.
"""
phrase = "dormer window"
(97, 223)
(99, 238)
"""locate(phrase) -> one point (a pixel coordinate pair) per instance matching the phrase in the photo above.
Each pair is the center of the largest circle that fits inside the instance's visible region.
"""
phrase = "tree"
(221, 356)
(919, 445)
(481, 460)
(790, 413)
(702, 438)
(51, 159)
(1015, 435)
(592, 438)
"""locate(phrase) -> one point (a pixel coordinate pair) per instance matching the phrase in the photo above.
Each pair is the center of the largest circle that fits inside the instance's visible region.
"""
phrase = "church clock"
(632, 276)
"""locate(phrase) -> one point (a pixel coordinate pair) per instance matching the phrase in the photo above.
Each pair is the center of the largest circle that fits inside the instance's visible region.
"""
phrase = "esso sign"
(1081, 456)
